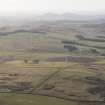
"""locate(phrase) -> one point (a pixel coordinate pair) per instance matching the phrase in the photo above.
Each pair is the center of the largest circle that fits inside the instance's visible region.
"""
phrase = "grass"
(70, 81)
(102, 61)
(26, 42)
(24, 99)
(31, 55)
(24, 74)
(37, 73)
(31, 45)
(29, 73)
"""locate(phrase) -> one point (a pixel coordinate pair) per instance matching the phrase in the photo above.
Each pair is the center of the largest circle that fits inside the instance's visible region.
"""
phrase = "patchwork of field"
(74, 38)
(24, 79)
(77, 82)
(60, 83)
(53, 63)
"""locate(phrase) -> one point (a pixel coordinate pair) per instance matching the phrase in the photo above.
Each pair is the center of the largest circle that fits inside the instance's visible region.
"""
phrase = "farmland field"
(53, 63)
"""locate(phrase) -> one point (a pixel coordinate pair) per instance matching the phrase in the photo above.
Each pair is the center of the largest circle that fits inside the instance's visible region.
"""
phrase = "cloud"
(42, 6)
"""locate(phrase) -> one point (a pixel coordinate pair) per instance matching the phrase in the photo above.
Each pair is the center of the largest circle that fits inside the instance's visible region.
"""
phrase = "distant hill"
(49, 17)
(68, 16)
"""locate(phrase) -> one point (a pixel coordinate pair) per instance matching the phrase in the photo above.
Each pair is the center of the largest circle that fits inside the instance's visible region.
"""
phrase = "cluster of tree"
(71, 47)
(80, 37)
(94, 51)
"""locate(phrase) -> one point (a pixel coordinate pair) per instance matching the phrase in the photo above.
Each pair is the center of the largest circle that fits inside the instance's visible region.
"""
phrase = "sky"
(22, 7)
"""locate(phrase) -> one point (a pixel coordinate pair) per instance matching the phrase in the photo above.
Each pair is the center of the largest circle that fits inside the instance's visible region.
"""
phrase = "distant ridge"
(50, 17)
(68, 16)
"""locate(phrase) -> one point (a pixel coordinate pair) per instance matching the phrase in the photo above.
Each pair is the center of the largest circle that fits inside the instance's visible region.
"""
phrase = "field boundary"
(49, 77)
(58, 69)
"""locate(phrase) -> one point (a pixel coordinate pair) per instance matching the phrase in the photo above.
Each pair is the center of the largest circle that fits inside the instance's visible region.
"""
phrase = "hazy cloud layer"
(8, 7)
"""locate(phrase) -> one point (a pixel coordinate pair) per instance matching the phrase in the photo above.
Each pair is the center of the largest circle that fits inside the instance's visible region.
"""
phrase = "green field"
(23, 84)
(24, 99)
(52, 66)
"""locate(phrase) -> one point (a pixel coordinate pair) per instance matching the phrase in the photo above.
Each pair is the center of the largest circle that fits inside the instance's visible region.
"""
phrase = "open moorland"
(53, 63)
